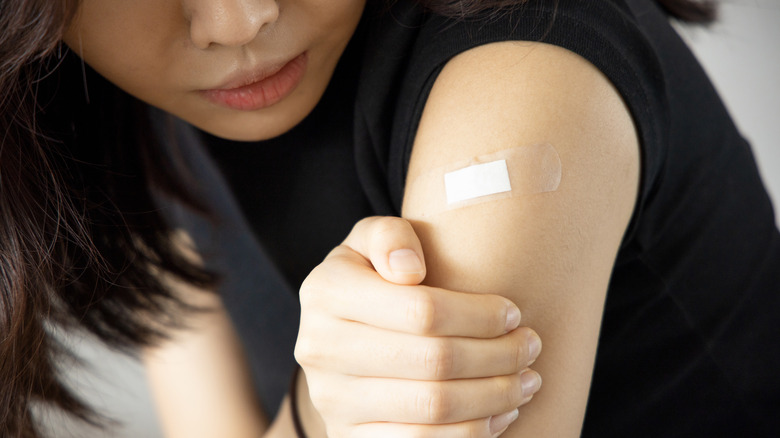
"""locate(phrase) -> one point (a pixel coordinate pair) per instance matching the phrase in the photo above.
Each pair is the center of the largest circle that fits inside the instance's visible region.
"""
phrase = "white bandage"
(477, 181)
(518, 171)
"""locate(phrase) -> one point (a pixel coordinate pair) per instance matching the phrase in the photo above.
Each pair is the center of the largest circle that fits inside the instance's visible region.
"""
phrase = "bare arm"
(551, 253)
(199, 378)
(202, 386)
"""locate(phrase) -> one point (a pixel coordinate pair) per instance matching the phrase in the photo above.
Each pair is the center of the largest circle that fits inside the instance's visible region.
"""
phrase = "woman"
(599, 243)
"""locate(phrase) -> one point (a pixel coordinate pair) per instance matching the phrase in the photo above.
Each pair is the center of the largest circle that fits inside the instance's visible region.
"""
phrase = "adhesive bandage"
(476, 181)
(518, 171)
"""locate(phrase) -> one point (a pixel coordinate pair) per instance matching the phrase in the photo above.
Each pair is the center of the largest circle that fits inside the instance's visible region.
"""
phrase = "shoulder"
(509, 94)
(600, 39)
(513, 96)
(605, 37)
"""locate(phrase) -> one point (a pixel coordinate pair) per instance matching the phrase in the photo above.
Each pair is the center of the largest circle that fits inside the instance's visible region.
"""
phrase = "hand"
(387, 357)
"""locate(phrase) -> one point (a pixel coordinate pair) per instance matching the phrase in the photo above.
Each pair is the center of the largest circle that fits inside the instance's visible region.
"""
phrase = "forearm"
(199, 378)
(201, 383)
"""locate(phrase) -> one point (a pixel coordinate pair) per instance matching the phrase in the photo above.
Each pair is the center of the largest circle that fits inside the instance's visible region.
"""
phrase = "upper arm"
(199, 378)
(552, 253)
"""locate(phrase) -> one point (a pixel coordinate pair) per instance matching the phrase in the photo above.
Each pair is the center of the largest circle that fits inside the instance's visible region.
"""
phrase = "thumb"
(391, 245)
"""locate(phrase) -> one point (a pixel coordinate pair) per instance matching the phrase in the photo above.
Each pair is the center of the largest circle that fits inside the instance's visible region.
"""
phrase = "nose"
(228, 22)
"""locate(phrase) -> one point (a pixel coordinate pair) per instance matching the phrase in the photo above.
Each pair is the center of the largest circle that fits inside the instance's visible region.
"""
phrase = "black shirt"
(689, 343)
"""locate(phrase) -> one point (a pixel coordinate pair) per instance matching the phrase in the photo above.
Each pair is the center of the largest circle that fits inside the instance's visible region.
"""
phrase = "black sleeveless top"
(690, 343)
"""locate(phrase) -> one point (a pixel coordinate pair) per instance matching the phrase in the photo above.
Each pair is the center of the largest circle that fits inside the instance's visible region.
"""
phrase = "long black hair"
(80, 233)
(81, 236)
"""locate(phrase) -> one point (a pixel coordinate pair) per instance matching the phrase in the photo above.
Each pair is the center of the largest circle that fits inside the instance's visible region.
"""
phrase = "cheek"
(134, 72)
(332, 18)
(129, 43)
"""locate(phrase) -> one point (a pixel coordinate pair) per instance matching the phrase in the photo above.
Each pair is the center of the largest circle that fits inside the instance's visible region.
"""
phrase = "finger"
(422, 402)
(482, 428)
(376, 352)
(344, 289)
(392, 247)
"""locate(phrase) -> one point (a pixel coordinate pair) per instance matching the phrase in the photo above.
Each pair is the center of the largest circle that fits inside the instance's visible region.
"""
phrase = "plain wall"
(739, 52)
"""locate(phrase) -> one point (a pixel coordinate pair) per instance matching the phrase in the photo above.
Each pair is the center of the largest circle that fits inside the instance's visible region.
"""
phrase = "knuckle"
(506, 391)
(510, 388)
(339, 258)
(439, 359)
(386, 231)
(367, 222)
(520, 357)
(328, 397)
(422, 313)
(363, 222)
(321, 399)
(305, 351)
(315, 285)
(325, 280)
(525, 338)
(391, 224)
(496, 313)
(384, 228)
(497, 319)
(307, 291)
(360, 226)
(433, 405)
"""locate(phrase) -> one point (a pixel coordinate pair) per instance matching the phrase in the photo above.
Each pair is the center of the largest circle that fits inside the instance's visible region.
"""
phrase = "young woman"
(608, 205)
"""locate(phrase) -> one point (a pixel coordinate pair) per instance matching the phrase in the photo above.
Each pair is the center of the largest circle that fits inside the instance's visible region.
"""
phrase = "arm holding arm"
(549, 253)
(203, 388)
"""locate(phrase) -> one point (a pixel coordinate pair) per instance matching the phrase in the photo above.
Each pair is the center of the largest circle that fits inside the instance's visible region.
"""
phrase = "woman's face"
(239, 69)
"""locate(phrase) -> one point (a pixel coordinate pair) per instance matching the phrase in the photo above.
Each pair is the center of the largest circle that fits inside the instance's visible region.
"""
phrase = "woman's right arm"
(384, 356)
(200, 380)
(370, 337)
(199, 377)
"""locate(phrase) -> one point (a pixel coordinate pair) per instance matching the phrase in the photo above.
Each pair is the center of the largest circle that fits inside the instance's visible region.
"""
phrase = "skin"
(549, 254)
(411, 349)
(202, 387)
(199, 378)
(165, 52)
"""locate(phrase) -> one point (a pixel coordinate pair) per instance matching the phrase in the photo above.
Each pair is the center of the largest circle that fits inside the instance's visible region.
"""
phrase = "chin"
(250, 126)
(245, 133)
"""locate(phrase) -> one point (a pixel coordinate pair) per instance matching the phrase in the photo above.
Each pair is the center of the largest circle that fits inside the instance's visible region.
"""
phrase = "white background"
(740, 52)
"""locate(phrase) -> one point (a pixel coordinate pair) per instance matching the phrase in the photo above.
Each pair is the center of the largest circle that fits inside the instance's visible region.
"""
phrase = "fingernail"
(405, 261)
(512, 317)
(531, 382)
(501, 422)
(534, 347)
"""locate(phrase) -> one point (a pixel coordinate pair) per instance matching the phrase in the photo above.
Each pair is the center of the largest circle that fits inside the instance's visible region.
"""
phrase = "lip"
(259, 89)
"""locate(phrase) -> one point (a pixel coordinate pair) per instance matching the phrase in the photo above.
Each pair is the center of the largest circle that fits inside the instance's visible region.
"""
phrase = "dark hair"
(80, 232)
(695, 11)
